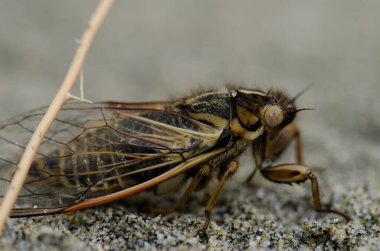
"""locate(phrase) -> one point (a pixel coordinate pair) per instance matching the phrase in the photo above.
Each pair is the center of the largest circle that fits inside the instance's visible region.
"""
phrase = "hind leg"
(202, 174)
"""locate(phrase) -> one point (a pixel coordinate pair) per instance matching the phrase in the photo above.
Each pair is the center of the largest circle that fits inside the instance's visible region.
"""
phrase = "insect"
(98, 153)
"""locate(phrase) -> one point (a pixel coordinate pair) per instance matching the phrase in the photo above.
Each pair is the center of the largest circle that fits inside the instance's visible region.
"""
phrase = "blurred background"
(154, 50)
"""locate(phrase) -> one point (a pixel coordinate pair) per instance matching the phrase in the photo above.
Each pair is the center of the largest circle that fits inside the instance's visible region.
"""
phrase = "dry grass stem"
(68, 83)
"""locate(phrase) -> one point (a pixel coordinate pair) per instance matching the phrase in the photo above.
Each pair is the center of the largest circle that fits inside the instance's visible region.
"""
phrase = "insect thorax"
(237, 110)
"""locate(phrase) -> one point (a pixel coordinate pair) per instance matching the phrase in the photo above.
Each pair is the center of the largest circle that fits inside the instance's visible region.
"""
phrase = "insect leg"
(203, 172)
(289, 173)
(276, 146)
(258, 161)
(231, 169)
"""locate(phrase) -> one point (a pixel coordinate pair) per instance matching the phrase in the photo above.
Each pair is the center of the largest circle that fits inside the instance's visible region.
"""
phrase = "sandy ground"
(161, 49)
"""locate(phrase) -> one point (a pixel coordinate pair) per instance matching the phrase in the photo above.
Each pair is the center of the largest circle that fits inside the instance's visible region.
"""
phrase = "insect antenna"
(304, 109)
(301, 92)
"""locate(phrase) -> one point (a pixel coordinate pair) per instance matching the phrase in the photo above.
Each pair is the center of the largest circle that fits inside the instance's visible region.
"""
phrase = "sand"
(153, 51)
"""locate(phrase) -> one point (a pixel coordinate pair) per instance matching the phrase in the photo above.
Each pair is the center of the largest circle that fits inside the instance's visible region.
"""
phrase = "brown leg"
(276, 146)
(231, 169)
(204, 172)
(258, 161)
(290, 173)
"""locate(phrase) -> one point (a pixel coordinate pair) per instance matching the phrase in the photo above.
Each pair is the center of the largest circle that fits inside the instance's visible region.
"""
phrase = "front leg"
(290, 173)
(276, 146)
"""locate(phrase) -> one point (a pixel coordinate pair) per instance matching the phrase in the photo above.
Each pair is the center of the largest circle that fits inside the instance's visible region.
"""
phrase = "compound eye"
(273, 116)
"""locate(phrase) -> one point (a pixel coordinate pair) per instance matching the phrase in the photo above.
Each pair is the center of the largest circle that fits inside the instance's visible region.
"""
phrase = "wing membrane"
(95, 151)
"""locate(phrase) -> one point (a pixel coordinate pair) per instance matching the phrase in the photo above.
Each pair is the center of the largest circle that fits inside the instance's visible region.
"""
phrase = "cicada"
(98, 153)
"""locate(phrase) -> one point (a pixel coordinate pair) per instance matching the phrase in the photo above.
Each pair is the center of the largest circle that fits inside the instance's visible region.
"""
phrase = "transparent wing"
(96, 150)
